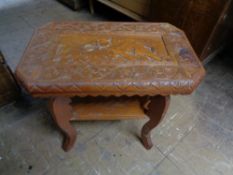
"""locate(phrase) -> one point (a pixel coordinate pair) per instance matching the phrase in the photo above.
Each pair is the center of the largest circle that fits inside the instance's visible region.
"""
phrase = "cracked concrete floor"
(195, 138)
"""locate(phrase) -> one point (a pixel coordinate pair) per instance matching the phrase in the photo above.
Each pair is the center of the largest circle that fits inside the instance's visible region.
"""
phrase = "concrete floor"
(195, 138)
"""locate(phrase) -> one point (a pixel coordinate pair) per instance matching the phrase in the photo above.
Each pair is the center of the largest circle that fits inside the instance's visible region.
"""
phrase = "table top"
(109, 58)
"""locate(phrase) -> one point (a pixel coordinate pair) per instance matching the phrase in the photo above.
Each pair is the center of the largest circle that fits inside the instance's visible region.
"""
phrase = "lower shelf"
(107, 109)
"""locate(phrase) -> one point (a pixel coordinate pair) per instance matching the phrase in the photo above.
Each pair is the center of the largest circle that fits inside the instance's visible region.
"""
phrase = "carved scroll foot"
(62, 112)
(155, 110)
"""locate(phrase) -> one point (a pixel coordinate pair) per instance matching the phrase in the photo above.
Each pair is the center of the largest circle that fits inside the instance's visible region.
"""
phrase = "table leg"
(62, 112)
(91, 6)
(155, 110)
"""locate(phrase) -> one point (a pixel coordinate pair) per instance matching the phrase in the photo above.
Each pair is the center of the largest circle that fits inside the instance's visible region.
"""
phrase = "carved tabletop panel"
(103, 58)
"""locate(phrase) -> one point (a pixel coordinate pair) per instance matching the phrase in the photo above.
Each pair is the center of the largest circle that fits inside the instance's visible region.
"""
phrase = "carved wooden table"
(117, 71)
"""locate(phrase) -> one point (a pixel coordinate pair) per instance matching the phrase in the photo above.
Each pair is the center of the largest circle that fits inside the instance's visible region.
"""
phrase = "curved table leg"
(62, 112)
(155, 110)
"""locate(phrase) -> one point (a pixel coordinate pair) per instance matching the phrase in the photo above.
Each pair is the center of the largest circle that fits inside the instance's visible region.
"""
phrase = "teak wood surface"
(130, 68)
